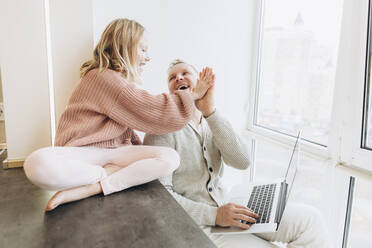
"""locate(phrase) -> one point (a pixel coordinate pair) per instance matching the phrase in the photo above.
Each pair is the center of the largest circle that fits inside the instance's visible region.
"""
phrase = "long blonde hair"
(117, 49)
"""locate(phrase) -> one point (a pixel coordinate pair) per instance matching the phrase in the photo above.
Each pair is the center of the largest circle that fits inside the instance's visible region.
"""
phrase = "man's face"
(181, 77)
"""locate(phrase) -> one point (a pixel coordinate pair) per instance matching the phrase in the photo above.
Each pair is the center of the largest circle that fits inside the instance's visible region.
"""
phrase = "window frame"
(345, 135)
(367, 82)
(351, 153)
(258, 131)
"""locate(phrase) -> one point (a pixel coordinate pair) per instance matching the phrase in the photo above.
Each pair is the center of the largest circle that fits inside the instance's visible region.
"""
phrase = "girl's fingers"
(204, 72)
(207, 75)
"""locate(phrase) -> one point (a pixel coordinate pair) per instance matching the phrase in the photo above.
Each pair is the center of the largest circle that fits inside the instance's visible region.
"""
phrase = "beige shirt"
(196, 184)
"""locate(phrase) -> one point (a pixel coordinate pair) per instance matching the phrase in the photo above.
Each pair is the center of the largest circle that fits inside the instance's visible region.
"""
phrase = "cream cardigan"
(196, 184)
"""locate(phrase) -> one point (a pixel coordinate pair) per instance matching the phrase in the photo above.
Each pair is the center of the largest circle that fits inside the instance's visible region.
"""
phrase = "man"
(203, 145)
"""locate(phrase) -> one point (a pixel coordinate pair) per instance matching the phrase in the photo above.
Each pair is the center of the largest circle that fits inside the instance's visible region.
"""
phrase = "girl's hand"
(205, 81)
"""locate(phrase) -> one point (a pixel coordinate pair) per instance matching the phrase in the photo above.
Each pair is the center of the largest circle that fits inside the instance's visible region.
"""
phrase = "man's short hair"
(178, 61)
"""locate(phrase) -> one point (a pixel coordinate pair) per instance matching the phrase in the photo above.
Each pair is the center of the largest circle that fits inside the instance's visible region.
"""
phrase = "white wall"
(24, 66)
(205, 33)
(24, 73)
(71, 30)
(213, 33)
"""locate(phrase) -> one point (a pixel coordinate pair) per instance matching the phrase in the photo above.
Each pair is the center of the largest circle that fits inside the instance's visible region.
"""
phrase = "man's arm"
(201, 213)
(233, 150)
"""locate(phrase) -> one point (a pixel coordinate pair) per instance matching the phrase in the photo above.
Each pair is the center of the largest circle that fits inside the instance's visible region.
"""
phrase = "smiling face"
(181, 77)
(143, 56)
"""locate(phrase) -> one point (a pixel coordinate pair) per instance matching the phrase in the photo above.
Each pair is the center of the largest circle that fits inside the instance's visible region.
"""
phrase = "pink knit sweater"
(105, 109)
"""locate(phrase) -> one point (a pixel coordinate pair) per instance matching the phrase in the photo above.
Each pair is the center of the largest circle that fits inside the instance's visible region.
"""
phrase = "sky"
(322, 17)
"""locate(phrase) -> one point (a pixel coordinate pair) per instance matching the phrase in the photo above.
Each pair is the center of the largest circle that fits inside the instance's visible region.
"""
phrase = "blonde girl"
(96, 148)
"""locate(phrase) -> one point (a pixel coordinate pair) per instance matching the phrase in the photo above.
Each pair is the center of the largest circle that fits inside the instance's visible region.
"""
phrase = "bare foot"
(73, 194)
(78, 193)
(111, 168)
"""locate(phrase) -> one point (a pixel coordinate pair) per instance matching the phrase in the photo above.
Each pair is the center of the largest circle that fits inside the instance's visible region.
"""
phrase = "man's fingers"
(237, 223)
(246, 212)
(242, 207)
(244, 217)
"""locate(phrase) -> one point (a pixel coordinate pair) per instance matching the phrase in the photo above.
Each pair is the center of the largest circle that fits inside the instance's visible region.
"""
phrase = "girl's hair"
(117, 49)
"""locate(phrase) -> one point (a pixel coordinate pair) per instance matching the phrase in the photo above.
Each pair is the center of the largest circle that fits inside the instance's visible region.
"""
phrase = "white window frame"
(347, 110)
(354, 25)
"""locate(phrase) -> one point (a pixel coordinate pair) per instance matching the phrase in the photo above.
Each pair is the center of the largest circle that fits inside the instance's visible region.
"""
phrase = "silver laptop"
(268, 200)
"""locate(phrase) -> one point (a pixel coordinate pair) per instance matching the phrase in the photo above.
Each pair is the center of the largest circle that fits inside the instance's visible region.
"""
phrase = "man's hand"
(206, 104)
(205, 81)
(231, 215)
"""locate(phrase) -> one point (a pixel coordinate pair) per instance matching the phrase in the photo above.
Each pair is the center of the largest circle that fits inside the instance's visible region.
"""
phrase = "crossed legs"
(80, 172)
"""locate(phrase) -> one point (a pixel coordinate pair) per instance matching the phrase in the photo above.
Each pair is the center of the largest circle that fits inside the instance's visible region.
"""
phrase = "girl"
(96, 149)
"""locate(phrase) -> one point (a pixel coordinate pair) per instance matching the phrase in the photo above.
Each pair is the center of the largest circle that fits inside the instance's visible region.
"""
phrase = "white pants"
(301, 226)
(59, 168)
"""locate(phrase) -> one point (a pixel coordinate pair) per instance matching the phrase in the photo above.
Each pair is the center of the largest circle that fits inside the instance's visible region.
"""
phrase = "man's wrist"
(209, 112)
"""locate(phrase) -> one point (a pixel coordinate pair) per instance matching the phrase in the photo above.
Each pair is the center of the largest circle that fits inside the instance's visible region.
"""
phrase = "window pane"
(368, 117)
(367, 125)
(361, 220)
(297, 66)
(271, 162)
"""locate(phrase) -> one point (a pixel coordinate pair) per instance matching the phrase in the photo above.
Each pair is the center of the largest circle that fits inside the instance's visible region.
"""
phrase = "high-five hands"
(206, 103)
(205, 81)
(233, 214)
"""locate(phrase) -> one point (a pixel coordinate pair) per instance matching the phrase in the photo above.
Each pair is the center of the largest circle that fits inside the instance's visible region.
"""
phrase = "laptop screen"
(293, 164)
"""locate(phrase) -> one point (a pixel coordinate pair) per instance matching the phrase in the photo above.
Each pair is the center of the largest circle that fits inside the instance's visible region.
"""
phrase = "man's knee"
(302, 217)
(312, 216)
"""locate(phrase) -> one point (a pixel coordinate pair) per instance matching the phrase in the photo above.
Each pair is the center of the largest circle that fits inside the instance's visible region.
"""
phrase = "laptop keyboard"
(261, 201)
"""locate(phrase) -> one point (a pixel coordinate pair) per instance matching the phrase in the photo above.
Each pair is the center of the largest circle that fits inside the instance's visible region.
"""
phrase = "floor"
(142, 216)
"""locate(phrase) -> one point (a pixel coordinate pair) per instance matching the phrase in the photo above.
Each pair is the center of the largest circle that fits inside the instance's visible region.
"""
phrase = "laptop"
(268, 200)
(345, 240)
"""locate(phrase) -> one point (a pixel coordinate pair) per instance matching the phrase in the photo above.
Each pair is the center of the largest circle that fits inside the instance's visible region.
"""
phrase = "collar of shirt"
(199, 129)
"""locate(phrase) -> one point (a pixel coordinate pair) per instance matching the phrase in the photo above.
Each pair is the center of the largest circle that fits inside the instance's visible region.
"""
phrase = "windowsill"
(356, 171)
(308, 148)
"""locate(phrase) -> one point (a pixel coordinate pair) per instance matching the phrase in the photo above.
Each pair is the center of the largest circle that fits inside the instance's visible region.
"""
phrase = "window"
(296, 72)
(367, 130)
(367, 113)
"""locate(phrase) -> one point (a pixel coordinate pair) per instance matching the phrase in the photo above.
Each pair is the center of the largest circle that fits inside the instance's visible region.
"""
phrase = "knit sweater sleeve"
(155, 114)
(233, 150)
(201, 213)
